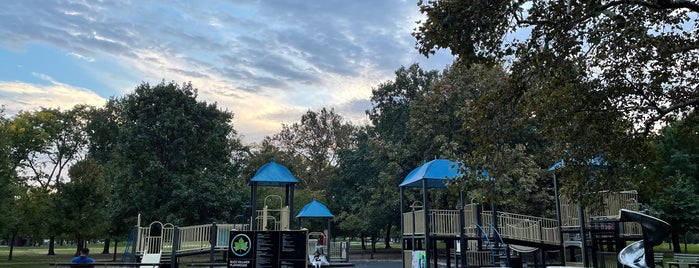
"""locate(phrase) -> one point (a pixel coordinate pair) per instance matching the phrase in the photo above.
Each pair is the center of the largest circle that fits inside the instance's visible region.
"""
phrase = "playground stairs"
(165, 258)
(500, 257)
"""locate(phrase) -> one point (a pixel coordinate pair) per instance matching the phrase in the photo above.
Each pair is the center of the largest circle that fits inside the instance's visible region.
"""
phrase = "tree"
(678, 205)
(169, 148)
(43, 144)
(8, 183)
(316, 140)
(394, 150)
(671, 178)
(81, 203)
(46, 142)
(348, 191)
(596, 76)
(7, 172)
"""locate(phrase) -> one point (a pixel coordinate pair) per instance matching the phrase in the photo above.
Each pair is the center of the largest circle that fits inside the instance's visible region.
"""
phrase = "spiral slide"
(639, 254)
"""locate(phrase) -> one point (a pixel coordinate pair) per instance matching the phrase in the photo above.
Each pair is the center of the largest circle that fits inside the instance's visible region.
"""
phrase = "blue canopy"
(436, 172)
(273, 174)
(314, 209)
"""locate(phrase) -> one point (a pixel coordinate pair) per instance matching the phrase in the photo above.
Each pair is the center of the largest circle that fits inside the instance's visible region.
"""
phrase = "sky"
(267, 62)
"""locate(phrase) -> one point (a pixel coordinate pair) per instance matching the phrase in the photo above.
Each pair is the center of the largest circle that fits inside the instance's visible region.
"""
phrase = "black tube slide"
(640, 253)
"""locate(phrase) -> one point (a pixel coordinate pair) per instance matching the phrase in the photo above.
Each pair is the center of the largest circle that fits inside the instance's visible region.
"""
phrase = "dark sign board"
(262, 249)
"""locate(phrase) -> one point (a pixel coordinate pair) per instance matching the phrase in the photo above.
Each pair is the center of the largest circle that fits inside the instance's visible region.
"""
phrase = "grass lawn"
(37, 256)
(665, 248)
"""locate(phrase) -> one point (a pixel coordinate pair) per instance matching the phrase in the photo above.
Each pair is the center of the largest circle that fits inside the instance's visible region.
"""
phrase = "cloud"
(258, 59)
(20, 96)
(81, 57)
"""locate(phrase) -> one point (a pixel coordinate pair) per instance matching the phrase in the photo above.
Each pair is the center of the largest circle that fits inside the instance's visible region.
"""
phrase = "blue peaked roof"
(273, 174)
(436, 172)
(314, 209)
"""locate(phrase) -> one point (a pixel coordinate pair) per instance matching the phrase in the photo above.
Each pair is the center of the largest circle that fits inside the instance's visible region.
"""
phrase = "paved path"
(377, 263)
(382, 264)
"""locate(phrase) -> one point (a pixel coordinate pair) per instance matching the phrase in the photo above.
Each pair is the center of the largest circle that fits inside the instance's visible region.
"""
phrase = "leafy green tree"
(316, 140)
(596, 76)
(7, 172)
(46, 142)
(671, 178)
(43, 144)
(8, 183)
(678, 205)
(170, 148)
(81, 203)
(348, 192)
(394, 149)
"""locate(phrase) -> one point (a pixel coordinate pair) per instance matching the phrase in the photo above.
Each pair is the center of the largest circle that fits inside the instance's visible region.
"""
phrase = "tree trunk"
(80, 245)
(373, 245)
(106, 247)
(363, 243)
(12, 246)
(387, 239)
(115, 249)
(52, 248)
(676, 242)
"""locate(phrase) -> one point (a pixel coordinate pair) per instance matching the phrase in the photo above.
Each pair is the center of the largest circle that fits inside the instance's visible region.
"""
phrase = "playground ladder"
(129, 244)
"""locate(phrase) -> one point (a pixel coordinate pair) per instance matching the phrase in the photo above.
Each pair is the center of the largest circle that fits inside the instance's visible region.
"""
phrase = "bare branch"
(662, 112)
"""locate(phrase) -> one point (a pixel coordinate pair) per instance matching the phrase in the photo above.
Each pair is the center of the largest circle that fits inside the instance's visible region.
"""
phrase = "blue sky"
(266, 61)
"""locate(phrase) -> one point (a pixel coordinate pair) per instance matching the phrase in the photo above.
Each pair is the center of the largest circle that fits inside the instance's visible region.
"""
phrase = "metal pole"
(212, 243)
(402, 226)
(462, 231)
(425, 209)
(583, 237)
(253, 206)
(175, 247)
(558, 218)
(291, 206)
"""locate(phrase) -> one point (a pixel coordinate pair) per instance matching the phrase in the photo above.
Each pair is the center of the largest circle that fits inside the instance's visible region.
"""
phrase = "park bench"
(658, 259)
(692, 260)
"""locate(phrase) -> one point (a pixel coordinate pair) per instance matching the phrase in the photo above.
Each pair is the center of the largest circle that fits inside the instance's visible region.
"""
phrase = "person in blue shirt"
(83, 258)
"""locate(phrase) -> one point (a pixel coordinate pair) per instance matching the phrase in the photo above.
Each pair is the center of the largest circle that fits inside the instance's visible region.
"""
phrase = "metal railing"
(524, 227)
(612, 203)
(515, 226)
(195, 237)
(442, 222)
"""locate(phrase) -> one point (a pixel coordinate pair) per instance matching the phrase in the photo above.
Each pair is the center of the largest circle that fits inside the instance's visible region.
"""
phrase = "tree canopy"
(171, 147)
(597, 77)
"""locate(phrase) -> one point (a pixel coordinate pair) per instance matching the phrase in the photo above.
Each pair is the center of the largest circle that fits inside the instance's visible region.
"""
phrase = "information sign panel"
(262, 249)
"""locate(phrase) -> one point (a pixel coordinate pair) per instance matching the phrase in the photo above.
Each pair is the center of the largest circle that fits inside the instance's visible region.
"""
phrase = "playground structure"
(639, 254)
(165, 243)
(478, 235)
